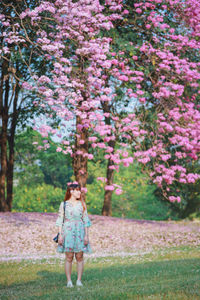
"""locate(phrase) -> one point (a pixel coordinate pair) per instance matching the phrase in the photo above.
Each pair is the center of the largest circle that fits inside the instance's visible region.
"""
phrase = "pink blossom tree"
(163, 57)
(73, 88)
(161, 72)
(171, 143)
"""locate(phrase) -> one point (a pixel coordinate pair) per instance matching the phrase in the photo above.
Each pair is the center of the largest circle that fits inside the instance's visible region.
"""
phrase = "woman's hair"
(74, 186)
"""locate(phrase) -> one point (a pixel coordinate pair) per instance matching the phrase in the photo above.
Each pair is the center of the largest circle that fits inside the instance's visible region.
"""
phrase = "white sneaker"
(79, 283)
(69, 284)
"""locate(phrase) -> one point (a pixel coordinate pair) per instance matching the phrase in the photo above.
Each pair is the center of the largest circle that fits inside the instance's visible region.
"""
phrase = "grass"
(170, 274)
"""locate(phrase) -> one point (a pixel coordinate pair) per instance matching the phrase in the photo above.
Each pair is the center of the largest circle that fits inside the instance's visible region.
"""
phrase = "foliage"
(137, 200)
(40, 198)
(56, 167)
(190, 204)
(34, 167)
(140, 198)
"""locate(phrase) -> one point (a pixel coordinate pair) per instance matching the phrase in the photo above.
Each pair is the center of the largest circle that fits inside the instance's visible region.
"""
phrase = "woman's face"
(76, 193)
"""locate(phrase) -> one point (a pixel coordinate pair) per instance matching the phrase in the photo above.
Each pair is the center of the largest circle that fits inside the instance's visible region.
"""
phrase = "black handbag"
(56, 237)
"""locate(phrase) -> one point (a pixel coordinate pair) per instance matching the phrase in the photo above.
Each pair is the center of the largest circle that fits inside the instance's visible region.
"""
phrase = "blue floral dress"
(73, 229)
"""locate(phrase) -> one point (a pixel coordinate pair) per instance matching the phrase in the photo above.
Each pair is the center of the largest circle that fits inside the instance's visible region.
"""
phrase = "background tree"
(16, 105)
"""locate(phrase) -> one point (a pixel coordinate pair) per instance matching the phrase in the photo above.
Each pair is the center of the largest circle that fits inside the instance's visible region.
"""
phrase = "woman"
(74, 234)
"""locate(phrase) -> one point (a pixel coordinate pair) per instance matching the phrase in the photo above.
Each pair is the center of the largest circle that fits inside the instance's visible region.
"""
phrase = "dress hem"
(85, 251)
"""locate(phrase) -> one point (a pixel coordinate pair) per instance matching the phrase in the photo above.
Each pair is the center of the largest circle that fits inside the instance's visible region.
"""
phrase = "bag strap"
(64, 211)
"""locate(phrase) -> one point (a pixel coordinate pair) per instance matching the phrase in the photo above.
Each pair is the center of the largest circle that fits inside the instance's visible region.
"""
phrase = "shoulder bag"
(56, 237)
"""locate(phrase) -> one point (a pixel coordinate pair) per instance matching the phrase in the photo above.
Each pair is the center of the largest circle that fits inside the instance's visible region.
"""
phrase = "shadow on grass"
(167, 279)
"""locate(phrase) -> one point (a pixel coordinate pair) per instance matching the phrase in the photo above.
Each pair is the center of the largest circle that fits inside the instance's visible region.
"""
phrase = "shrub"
(40, 198)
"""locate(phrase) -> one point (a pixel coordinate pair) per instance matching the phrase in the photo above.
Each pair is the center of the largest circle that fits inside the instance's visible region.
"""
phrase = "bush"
(40, 198)
(138, 199)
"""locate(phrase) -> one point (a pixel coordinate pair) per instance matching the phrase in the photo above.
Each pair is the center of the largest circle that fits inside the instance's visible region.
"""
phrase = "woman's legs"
(80, 264)
(68, 264)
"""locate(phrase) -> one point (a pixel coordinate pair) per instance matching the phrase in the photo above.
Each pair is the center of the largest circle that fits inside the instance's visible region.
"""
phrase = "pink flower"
(103, 179)
(84, 189)
(140, 92)
(81, 172)
(92, 138)
(171, 30)
(125, 11)
(112, 167)
(118, 191)
(173, 199)
(79, 152)
(109, 188)
(142, 100)
(138, 10)
(39, 147)
(123, 78)
(125, 154)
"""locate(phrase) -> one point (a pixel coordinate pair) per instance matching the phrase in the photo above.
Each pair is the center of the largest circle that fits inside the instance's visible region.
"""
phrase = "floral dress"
(73, 229)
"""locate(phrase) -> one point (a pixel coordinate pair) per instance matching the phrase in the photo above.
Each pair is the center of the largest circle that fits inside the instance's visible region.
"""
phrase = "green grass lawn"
(169, 274)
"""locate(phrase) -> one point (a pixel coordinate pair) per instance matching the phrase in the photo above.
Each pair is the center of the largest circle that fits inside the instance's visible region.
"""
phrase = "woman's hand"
(86, 240)
(60, 240)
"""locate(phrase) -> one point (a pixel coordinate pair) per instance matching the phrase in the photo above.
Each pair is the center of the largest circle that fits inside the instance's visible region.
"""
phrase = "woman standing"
(74, 233)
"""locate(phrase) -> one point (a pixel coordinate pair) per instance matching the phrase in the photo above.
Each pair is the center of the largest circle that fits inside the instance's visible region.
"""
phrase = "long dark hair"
(74, 186)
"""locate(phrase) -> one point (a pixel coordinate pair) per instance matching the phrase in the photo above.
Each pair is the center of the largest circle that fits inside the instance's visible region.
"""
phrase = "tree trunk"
(80, 161)
(11, 140)
(3, 204)
(107, 205)
(4, 94)
(10, 167)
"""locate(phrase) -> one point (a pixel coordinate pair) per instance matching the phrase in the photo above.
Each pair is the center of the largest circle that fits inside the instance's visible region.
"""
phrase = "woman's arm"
(87, 223)
(59, 222)
(86, 231)
(60, 229)
(86, 220)
(59, 219)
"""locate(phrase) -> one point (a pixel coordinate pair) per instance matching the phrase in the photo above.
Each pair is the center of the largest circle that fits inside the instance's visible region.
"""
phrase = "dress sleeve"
(59, 220)
(86, 220)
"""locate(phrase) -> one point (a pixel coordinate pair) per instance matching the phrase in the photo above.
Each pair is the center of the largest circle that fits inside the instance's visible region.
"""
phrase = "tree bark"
(11, 143)
(107, 205)
(4, 94)
(80, 161)
(10, 167)
(3, 204)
